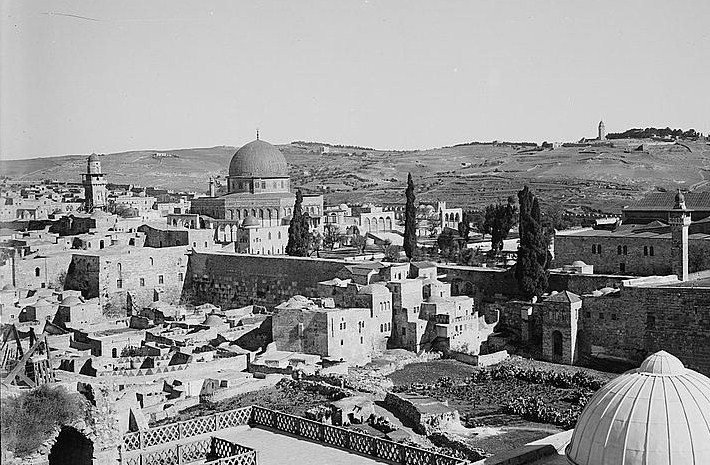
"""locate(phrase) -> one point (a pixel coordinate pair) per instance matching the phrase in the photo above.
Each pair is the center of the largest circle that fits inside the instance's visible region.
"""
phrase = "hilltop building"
(95, 195)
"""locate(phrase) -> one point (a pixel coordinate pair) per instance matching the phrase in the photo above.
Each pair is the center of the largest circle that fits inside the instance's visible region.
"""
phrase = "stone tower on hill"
(679, 219)
(602, 131)
(95, 197)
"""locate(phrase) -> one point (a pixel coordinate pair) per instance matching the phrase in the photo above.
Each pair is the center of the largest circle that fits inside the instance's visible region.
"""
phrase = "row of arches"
(452, 217)
(380, 224)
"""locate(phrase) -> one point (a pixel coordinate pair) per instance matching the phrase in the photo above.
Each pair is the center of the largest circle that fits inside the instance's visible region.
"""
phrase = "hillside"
(604, 177)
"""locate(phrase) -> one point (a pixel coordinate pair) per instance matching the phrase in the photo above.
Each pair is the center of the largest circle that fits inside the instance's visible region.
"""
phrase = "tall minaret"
(679, 219)
(602, 131)
(213, 191)
(94, 185)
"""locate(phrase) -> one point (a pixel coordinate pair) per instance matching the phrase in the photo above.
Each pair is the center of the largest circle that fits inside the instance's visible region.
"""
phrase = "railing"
(218, 451)
(259, 416)
(186, 429)
(348, 439)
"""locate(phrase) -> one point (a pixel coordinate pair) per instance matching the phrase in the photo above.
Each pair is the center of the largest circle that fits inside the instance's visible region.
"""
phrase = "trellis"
(234, 454)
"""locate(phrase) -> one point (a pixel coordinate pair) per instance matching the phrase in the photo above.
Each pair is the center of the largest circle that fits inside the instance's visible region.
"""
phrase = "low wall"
(480, 360)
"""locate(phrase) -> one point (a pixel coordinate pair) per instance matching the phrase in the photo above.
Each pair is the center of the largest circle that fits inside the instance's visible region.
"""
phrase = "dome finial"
(257, 133)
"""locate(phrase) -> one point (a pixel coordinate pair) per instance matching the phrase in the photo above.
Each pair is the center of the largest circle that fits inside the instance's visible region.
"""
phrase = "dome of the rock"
(656, 414)
(258, 159)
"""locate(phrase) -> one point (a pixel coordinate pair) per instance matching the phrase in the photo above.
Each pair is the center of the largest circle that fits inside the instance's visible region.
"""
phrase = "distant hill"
(471, 175)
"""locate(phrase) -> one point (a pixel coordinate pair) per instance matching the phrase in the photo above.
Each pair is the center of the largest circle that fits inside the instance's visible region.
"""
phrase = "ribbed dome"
(258, 159)
(656, 414)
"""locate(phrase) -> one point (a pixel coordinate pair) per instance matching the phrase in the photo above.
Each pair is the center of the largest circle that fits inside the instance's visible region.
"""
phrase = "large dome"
(656, 414)
(258, 159)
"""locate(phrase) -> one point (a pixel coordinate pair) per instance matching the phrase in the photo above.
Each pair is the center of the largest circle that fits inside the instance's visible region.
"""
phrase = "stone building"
(672, 246)
(129, 277)
(560, 314)
(314, 327)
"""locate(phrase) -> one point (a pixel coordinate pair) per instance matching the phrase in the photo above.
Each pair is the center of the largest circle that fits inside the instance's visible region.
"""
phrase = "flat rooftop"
(280, 448)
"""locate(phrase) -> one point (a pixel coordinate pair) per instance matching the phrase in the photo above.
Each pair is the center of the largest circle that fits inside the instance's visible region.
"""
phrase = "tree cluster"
(498, 220)
(648, 133)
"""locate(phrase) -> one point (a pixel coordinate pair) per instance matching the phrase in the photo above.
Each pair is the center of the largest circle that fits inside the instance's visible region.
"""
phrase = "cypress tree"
(410, 220)
(533, 259)
(298, 230)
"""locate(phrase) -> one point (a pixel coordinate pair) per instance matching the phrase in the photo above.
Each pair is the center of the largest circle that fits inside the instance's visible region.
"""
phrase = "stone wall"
(569, 248)
(235, 280)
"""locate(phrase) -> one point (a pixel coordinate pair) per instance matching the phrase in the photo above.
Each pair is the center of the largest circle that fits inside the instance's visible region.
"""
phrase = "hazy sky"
(387, 74)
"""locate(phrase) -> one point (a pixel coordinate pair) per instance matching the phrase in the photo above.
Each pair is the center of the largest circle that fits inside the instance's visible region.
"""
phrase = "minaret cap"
(679, 201)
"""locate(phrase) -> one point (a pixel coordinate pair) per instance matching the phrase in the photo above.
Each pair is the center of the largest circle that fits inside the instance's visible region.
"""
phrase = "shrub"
(33, 417)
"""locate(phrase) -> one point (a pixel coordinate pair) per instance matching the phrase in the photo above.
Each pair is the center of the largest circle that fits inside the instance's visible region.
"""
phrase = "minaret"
(212, 187)
(602, 131)
(95, 196)
(679, 219)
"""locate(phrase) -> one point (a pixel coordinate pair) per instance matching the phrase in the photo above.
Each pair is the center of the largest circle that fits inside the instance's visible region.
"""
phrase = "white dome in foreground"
(657, 414)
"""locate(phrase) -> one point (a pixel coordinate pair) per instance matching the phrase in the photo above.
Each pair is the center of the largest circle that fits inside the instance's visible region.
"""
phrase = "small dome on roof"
(372, 289)
(578, 263)
(658, 413)
(250, 222)
(8, 287)
(93, 157)
(70, 301)
(213, 320)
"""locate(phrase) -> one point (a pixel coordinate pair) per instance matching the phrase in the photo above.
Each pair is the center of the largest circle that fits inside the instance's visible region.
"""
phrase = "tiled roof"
(666, 201)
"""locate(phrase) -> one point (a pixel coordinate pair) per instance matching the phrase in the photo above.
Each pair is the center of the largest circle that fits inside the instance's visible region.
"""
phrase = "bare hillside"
(469, 175)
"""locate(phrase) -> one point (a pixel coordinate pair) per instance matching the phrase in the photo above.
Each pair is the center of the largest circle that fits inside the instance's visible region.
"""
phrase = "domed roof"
(578, 263)
(70, 301)
(258, 159)
(250, 221)
(658, 413)
(213, 320)
(93, 157)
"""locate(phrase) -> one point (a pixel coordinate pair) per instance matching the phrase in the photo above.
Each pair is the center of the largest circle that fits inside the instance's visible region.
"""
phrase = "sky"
(82, 76)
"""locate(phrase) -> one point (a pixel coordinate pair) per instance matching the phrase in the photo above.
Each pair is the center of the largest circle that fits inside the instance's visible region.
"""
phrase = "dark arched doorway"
(556, 346)
(71, 448)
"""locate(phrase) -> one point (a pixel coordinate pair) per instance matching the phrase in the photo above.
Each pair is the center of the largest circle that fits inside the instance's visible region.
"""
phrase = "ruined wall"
(234, 280)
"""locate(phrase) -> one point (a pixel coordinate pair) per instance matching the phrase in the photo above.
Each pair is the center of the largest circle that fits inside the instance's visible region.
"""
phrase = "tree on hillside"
(298, 234)
(499, 219)
(410, 220)
(533, 255)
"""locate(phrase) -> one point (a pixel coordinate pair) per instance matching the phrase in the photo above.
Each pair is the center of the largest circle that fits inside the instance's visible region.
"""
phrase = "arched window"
(118, 265)
(37, 272)
(594, 248)
(269, 235)
(645, 250)
(151, 261)
(650, 251)
(279, 234)
(618, 250)
(626, 251)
